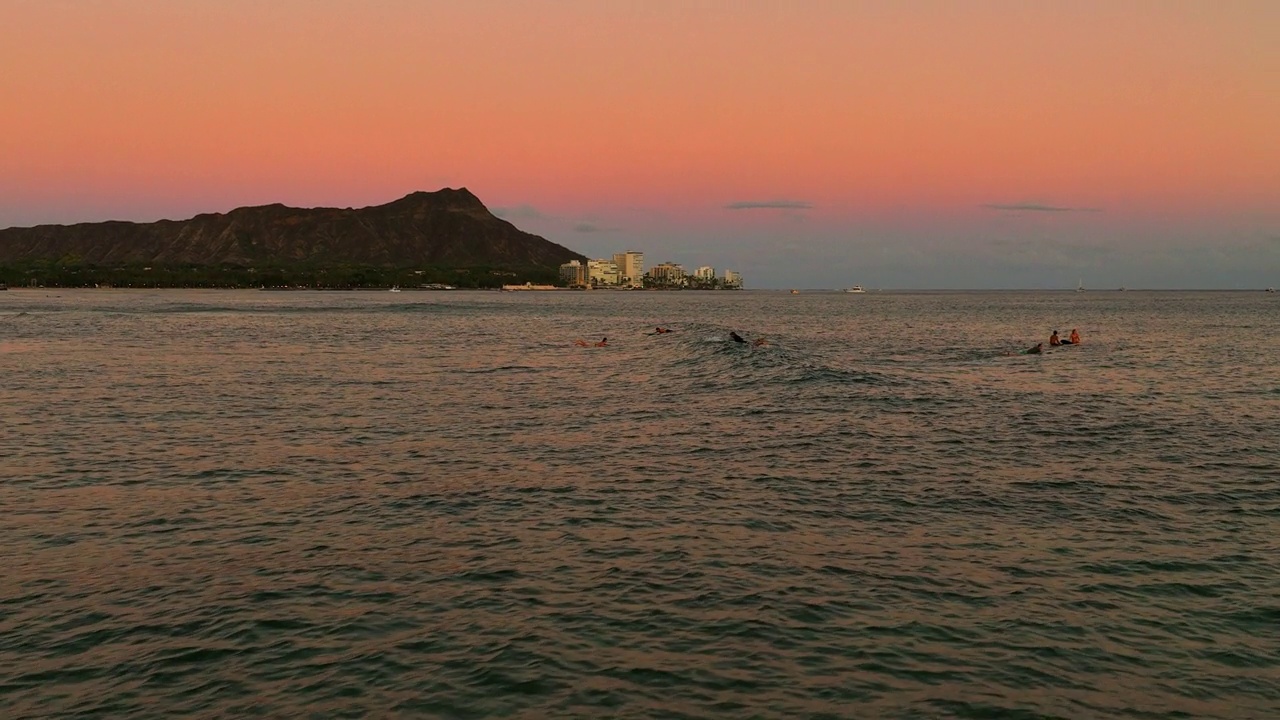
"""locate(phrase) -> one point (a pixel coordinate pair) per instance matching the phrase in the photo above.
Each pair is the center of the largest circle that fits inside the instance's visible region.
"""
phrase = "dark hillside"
(444, 229)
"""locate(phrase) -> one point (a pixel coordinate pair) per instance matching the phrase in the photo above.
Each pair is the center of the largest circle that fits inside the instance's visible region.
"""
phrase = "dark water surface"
(236, 504)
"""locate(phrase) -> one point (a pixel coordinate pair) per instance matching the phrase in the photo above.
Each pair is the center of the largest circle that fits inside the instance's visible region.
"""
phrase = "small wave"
(836, 375)
(504, 369)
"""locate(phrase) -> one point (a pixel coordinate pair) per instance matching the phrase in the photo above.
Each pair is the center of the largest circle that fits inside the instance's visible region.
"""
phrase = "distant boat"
(395, 288)
(1080, 285)
(855, 289)
(795, 292)
(1270, 289)
(3, 286)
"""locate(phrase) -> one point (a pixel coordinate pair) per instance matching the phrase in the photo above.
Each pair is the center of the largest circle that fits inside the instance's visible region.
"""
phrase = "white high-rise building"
(706, 272)
(574, 273)
(667, 273)
(630, 267)
(732, 279)
(602, 272)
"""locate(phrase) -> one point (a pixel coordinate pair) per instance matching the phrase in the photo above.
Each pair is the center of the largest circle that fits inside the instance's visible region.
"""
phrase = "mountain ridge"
(444, 228)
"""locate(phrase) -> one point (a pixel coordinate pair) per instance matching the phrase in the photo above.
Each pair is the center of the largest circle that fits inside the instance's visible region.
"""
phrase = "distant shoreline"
(621, 291)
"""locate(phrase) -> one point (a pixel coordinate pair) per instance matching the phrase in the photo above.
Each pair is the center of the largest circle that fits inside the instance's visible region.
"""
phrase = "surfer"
(759, 341)
(1036, 350)
(735, 337)
(604, 342)
(660, 331)
(1075, 337)
(1054, 341)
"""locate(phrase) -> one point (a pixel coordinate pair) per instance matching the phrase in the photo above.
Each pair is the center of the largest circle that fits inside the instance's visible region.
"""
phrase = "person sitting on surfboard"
(1053, 339)
(1075, 337)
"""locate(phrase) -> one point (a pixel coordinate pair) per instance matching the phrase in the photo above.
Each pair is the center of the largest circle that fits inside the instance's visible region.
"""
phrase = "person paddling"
(1035, 350)
(736, 337)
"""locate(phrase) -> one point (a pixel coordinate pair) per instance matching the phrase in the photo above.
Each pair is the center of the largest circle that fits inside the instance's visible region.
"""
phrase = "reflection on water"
(349, 504)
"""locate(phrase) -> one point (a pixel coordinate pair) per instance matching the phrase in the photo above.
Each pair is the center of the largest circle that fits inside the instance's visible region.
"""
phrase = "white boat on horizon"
(395, 288)
(1080, 285)
(855, 289)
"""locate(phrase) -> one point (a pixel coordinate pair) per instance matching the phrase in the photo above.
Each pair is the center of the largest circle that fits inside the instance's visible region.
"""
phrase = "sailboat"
(1080, 285)
(855, 289)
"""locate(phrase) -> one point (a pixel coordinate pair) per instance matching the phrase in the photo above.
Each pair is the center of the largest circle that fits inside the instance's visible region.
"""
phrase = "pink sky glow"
(924, 123)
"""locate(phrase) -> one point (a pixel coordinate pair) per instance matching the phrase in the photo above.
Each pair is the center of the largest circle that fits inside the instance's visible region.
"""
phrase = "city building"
(627, 270)
(667, 274)
(630, 267)
(603, 272)
(574, 273)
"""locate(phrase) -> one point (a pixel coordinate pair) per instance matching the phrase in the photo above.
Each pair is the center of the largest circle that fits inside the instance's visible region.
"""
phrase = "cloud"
(1037, 207)
(769, 205)
(586, 227)
(520, 212)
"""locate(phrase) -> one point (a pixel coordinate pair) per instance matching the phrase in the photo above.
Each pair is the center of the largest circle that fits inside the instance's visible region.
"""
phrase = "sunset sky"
(893, 144)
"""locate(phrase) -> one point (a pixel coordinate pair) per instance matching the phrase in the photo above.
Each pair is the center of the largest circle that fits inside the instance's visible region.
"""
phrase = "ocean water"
(256, 504)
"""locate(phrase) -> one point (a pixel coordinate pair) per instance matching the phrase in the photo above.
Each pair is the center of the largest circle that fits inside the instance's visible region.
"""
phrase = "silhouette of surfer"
(736, 337)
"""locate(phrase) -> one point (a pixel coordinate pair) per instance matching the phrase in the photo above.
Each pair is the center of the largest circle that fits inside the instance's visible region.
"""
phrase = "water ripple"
(341, 505)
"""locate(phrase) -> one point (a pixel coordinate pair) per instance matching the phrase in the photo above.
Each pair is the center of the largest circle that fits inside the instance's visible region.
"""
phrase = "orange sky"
(583, 109)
